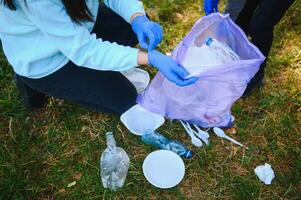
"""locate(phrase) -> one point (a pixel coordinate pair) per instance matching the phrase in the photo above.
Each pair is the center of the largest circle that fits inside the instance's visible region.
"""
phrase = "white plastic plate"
(163, 169)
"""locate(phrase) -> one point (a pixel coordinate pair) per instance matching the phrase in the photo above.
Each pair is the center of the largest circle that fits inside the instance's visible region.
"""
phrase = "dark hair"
(76, 9)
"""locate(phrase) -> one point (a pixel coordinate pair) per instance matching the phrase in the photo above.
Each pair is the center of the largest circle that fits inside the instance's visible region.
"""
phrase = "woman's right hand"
(170, 69)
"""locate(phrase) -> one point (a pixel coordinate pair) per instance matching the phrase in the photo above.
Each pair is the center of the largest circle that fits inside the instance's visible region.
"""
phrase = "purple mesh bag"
(208, 102)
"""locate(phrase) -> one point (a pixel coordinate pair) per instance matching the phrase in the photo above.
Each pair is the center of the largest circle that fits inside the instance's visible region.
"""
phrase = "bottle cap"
(208, 41)
(109, 134)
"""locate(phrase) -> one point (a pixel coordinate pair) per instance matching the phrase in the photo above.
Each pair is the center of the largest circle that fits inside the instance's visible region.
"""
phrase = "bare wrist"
(142, 57)
(135, 15)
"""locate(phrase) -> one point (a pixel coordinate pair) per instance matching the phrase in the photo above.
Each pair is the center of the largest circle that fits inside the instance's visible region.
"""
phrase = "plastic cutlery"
(220, 133)
(194, 140)
(192, 134)
(203, 135)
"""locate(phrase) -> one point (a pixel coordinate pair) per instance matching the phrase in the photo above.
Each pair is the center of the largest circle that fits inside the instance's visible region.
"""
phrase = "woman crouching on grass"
(76, 50)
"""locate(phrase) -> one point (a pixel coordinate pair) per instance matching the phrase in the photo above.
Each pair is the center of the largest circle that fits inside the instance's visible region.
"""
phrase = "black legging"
(258, 19)
(104, 91)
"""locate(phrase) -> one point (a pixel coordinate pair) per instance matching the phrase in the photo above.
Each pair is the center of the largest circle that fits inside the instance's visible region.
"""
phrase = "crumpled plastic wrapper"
(265, 173)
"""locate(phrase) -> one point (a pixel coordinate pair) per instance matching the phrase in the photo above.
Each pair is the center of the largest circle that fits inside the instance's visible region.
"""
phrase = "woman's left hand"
(149, 33)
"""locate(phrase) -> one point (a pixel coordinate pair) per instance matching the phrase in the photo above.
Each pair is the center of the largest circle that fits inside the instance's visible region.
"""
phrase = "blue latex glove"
(170, 69)
(149, 33)
(210, 6)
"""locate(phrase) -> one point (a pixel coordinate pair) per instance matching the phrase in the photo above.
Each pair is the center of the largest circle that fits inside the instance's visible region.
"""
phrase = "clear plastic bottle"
(114, 164)
(157, 140)
(223, 51)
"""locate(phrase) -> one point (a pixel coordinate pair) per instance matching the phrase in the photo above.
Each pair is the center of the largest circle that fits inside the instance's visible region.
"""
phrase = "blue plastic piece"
(157, 140)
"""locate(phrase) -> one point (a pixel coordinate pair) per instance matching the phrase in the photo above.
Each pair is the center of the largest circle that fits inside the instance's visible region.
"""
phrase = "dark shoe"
(31, 98)
(256, 82)
(251, 88)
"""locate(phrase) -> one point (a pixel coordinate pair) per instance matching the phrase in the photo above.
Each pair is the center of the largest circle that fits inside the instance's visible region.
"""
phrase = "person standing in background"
(234, 7)
(257, 19)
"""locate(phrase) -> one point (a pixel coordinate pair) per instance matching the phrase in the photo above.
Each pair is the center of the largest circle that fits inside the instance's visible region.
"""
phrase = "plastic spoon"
(205, 140)
(220, 133)
(194, 140)
(192, 133)
(203, 135)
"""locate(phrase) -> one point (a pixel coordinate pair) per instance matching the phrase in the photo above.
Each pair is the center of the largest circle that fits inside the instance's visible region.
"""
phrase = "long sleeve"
(75, 41)
(125, 8)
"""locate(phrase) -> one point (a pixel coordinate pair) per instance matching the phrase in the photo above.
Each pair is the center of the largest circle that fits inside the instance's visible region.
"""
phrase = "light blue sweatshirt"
(39, 38)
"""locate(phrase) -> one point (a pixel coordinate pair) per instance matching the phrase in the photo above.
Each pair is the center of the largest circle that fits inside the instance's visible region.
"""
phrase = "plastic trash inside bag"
(212, 53)
(222, 80)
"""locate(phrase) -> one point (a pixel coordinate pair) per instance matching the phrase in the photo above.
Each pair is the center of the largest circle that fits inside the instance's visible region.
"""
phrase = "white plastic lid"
(139, 120)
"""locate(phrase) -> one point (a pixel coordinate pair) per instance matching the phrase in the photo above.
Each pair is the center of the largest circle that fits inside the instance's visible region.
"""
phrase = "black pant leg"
(266, 16)
(105, 91)
(111, 27)
(244, 18)
(261, 27)
(32, 98)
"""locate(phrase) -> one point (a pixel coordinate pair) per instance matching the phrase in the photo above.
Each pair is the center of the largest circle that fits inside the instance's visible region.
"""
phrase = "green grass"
(42, 152)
